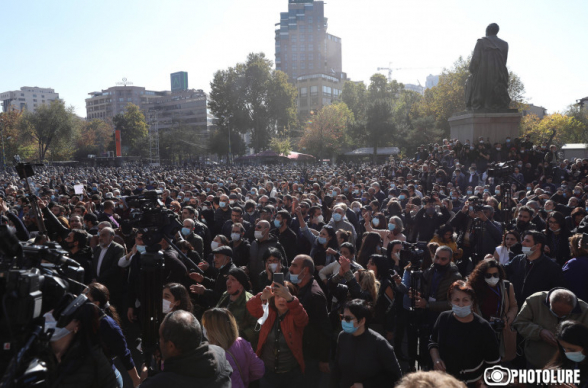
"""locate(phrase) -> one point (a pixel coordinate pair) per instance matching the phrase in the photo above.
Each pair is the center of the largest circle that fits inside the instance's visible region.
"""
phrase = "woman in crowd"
(572, 348)
(504, 252)
(371, 244)
(76, 356)
(176, 297)
(496, 302)
(320, 253)
(282, 319)
(557, 234)
(576, 270)
(384, 314)
(462, 343)
(221, 329)
(111, 335)
(363, 357)
(188, 250)
(444, 237)
(273, 260)
(574, 219)
(346, 250)
(343, 236)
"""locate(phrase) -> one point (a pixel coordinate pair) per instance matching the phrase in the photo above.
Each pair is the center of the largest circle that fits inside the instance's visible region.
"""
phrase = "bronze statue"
(487, 87)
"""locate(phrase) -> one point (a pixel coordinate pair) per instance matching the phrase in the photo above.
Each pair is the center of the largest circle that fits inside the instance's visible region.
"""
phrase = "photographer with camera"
(436, 281)
(479, 234)
(427, 219)
(496, 303)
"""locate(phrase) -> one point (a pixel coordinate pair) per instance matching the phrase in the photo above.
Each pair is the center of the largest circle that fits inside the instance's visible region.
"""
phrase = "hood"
(204, 362)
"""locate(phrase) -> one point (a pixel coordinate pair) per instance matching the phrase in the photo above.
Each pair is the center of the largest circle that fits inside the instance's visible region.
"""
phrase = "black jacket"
(206, 366)
(542, 275)
(424, 226)
(317, 334)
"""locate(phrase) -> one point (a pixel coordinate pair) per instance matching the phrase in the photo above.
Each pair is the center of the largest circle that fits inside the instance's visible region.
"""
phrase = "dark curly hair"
(476, 278)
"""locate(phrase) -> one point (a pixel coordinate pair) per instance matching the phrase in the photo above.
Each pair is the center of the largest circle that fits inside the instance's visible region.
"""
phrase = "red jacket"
(292, 326)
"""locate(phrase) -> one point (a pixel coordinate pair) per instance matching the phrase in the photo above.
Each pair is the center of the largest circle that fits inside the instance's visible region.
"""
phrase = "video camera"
(498, 170)
(149, 214)
(33, 279)
(413, 252)
(476, 203)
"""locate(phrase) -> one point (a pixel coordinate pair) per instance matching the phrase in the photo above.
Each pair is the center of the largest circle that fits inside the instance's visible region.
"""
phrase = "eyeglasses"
(347, 318)
(491, 275)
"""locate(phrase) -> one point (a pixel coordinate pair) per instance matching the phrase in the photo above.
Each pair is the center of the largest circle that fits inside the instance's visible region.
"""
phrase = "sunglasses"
(491, 275)
(346, 318)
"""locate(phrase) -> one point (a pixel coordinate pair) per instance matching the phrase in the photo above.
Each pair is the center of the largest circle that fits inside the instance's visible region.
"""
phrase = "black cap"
(224, 250)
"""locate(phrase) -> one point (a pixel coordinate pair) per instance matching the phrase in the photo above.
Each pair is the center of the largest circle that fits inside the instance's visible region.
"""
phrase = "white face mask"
(214, 245)
(258, 234)
(492, 281)
(527, 251)
(166, 306)
(273, 267)
(262, 320)
(320, 219)
(235, 236)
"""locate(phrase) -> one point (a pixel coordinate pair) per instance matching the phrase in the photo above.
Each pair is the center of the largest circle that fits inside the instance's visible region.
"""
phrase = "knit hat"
(241, 277)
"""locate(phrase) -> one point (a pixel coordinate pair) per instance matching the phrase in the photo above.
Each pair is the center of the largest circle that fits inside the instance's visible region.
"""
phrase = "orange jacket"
(292, 326)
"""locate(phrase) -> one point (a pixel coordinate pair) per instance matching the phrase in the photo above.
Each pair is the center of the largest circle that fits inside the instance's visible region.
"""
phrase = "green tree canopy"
(133, 128)
(48, 126)
(253, 97)
(325, 133)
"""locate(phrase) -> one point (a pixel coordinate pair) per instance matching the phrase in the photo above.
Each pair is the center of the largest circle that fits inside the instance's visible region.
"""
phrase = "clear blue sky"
(77, 47)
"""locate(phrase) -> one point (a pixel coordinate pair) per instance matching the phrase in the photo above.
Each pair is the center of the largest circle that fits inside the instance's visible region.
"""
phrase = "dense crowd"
(352, 275)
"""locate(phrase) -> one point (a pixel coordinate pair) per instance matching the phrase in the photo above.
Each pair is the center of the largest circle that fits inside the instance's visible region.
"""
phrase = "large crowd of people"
(434, 266)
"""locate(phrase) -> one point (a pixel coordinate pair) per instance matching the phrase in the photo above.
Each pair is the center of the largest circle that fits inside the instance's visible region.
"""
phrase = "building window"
(310, 47)
(302, 47)
(293, 38)
(310, 65)
(310, 56)
(293, 47)
(303, 92)
(22, 94)
(327, 90)
(293, 65)
(302, 65)
(42, 96)
(294, 57)
(309, 19)
(285, 56)
(302, 56)
(302, 37)
(314, 90)
(310, 38)
(285, 66)
(34, 95)
(34, 100)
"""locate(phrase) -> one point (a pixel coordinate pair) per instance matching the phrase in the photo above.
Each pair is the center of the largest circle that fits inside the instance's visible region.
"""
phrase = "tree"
(94, 138)
(219, 144)
(448, 97)
(281, 146)
(568, 129)
(325, 132)
(48, 126)
(133, 128)
(9, 125)
(253, 97)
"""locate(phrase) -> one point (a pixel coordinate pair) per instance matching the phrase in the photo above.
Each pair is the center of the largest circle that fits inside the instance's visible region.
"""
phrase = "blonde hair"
(221, 327)
(368, 282)
(430, 379)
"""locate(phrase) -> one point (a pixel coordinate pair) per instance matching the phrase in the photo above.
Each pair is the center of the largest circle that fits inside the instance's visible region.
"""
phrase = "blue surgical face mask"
(470, 192)
(186, 231)
(461, 312)
(222, 204)
(575, 356)
(391, 226)
(294, 278)
(322, 240)
(376, 221)
(277, 223)
(141, 248)
(348, 327)
(337, 217)
(402, 197)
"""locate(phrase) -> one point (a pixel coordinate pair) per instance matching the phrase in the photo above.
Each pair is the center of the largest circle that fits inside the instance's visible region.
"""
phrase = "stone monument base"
(496, 126)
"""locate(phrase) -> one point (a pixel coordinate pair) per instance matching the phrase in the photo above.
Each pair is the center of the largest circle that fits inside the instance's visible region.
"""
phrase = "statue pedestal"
(496, 126)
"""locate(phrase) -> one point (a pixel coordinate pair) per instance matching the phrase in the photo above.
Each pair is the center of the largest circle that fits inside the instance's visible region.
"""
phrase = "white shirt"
(101, 257)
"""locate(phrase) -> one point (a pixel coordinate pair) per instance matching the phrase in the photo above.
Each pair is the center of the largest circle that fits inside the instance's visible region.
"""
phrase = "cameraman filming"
(479, 234)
